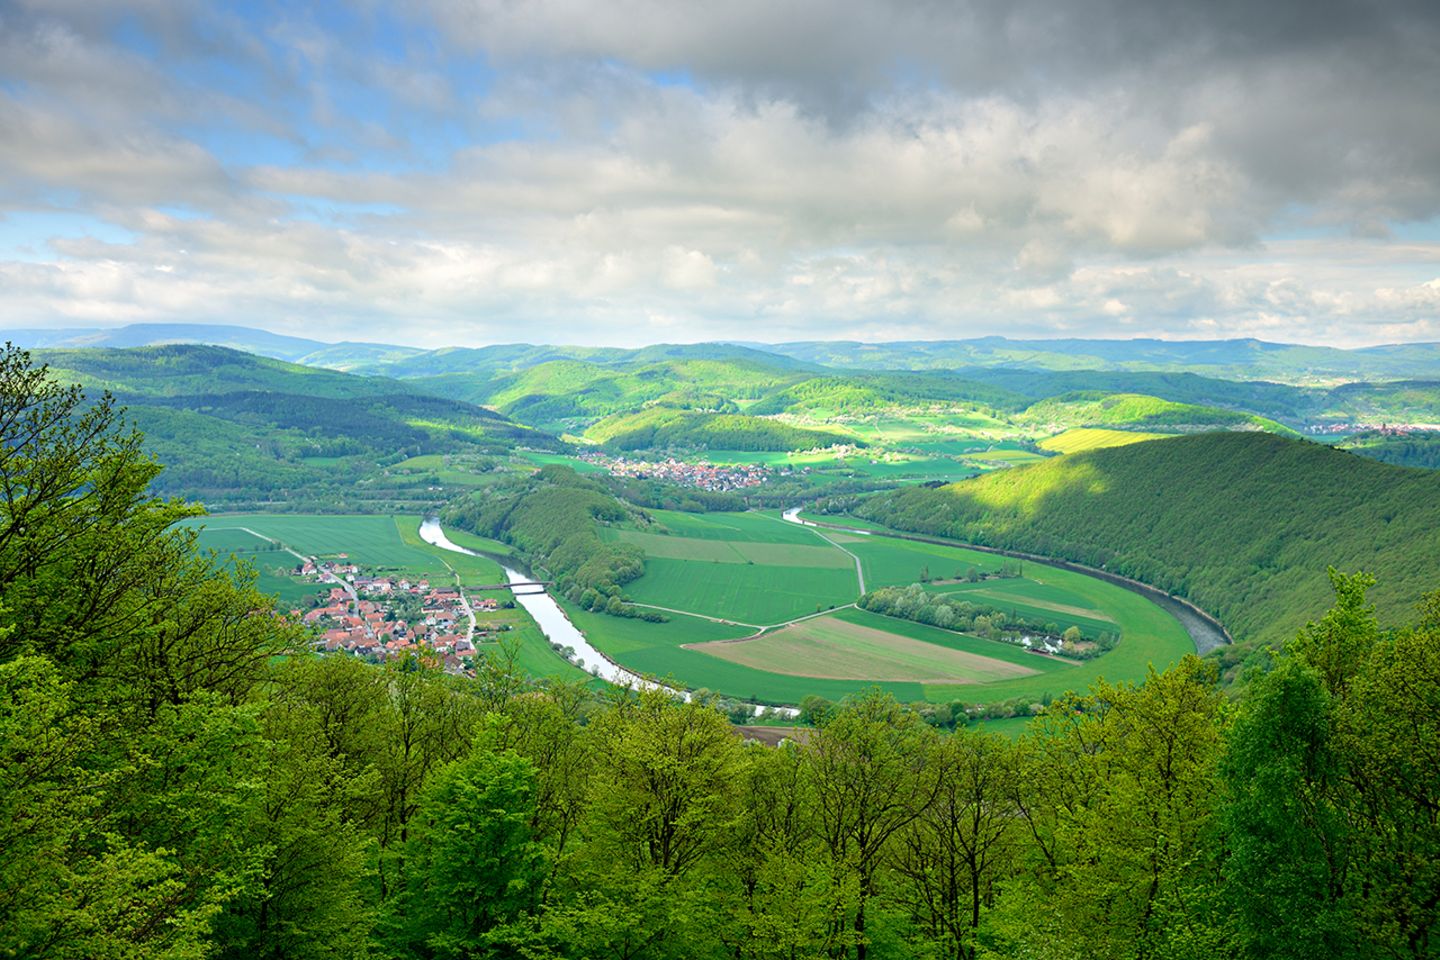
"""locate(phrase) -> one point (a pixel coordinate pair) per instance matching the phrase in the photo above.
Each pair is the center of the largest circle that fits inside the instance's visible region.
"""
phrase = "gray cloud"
(684, 171)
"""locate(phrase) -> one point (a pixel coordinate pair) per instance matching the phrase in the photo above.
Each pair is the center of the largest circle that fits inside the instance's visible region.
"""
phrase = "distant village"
(382, 617)
(1384, 429)
(716, 478)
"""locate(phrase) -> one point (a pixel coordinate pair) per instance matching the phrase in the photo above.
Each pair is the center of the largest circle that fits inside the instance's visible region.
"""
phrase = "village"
(385, 617)
(716, 478)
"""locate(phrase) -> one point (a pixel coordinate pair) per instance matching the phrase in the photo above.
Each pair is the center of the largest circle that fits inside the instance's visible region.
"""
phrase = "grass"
(888, 562)
(272, 564)
(736, 551)
(856, 645)
(749, 593)
(533, 652)
(1080, 439)
(1008, 456)
(1012, 728)
(1032, 599)
(866, 463)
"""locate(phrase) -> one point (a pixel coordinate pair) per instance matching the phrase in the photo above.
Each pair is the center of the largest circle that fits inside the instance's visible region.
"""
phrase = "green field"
(857, 645)
(866, 463)
(730, 566)
(753, 527)
(1035, 596)
(888, 562)
(657, 649)
(758, 594)
(533, 653)
(272, 564)
(548, 459)
(737, 551)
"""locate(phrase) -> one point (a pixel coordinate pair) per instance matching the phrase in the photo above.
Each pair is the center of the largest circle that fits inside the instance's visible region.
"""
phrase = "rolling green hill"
(668, 427)
(1243, 524)
(1139, 412)
(860, 393)
(574, 393)
(234, 428)
(1404, 401)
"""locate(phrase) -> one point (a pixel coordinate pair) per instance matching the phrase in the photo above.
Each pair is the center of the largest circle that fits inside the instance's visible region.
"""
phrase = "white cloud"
(798, 170)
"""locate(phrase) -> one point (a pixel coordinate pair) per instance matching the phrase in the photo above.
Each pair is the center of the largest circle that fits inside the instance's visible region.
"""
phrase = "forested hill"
(1243, 524)
(233, 428)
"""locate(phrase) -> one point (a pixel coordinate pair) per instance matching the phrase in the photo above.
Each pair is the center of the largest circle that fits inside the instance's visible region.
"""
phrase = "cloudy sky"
(579, 171)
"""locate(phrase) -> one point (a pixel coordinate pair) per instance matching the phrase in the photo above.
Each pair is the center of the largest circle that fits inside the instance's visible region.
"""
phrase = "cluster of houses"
(717, 478)
(1385, 429)
(380, 617)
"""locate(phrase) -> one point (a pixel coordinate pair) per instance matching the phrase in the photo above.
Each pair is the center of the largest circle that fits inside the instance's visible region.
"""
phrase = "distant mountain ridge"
(1235, 359)
(1239, 359)
(313, 353)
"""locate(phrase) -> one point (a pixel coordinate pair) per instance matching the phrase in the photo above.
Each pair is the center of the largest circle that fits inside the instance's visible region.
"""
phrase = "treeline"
(177, 782)
(993, 623)
(1232, 521)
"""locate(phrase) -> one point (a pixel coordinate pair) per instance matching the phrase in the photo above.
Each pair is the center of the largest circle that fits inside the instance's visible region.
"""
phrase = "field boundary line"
(699, 616)
(859, 570)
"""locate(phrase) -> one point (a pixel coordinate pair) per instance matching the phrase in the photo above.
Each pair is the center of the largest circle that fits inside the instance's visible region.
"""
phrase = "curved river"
(558, 628)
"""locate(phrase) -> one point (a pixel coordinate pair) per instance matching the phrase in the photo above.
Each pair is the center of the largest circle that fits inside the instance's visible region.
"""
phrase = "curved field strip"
(837, 647)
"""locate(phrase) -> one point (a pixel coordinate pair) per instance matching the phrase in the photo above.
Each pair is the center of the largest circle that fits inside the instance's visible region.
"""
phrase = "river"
(558, 628)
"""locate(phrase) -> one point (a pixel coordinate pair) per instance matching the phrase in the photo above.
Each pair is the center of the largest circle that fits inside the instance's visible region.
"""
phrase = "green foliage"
(474, 866)
(1333, 787)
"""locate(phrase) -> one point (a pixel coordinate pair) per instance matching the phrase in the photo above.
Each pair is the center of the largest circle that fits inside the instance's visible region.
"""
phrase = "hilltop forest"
(181, 778)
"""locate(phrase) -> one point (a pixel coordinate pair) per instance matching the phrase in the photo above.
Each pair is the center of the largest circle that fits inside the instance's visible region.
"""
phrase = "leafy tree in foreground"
(1334, 777)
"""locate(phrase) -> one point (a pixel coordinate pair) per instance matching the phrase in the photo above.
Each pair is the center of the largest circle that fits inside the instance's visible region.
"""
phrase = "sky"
(464, 172)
